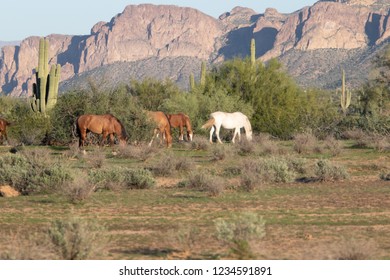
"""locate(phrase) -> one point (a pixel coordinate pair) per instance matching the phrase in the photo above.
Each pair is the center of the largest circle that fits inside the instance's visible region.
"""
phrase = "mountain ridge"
(349, 30)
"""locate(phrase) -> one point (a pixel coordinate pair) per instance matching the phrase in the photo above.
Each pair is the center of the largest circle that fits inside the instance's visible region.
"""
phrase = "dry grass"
(175, 219)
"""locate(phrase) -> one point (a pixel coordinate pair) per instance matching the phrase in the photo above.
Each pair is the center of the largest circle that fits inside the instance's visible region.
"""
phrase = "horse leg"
(181, 136)
(168, 137)
(217, 132)
(5, 136)
(111, 139)
(103, 139)
(211, 133)
(155, 132)
(83, 135)
(236, 132)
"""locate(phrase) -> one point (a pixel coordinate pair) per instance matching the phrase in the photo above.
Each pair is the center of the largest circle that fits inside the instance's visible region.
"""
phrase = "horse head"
(248, 129)
(122, 135)
(190, 133)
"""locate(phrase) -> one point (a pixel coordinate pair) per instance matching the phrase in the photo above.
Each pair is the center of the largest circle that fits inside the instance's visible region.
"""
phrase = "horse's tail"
(76, 128)
(209, 123)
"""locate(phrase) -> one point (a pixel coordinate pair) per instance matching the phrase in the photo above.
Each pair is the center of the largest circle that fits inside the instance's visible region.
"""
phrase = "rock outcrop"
(148, 31)
(331, 25)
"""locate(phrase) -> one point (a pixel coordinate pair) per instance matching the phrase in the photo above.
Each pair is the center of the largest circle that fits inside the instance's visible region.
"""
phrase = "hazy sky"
(23, 18)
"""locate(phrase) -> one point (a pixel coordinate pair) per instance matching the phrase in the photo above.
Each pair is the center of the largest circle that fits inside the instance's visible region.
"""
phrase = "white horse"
(235, 121)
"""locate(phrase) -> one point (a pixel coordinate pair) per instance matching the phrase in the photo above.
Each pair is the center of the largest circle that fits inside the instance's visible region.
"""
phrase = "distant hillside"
(112, 75)
(9, 43)
(167, 41)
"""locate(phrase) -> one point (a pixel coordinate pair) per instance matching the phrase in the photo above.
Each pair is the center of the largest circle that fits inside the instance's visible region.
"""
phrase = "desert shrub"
(232, 171)
(245, 147)
(304, 142)
(270, 169)
(326, 171)
(78, 190)
(220, 152)
(73, 152)
(140, 152)
(249, 181)
(76, 239)
(267, 145)
(202, 181)
(354, 134)
(25, 246)
(297, 165)
(139, 179)
(95, 158)
(380, 143)
(30, 175)
(280, 169)
(28, 127)
(353, 249)
(170, 164)
(106, 178)
(239, 231)
(121, 177)
(184, 240)
(385, 176)
(200, 143)
(333, 145)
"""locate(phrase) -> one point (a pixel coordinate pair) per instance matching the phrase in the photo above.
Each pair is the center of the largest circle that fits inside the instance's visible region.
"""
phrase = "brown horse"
(3, 130)
(181, 120)
(100, 124)
(162, 126)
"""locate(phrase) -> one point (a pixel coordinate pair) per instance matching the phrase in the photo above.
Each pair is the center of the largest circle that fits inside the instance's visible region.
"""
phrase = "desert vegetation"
(311, 185)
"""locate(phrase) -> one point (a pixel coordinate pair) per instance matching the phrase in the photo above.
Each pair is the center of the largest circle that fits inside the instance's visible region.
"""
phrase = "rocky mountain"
(170, 42)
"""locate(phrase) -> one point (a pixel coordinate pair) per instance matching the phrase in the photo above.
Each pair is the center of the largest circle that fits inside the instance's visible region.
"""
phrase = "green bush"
(27, 127)
(326, 171)
(238, 232)
(169, 164)
(139, 179)
(304, 142)
(202, 181)
(75, 239)
(118, 102)
(30, 175)
(270, 169)
(129, 178)
(385, 176)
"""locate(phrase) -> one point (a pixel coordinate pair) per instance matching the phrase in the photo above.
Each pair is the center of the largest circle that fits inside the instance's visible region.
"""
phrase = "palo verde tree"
(279, 106)
(376, 97)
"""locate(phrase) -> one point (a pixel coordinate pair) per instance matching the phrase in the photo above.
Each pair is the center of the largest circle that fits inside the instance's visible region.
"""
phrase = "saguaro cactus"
(192, 82)
(253, 51)
(345, 98)
(45, 90)
(203, 74)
